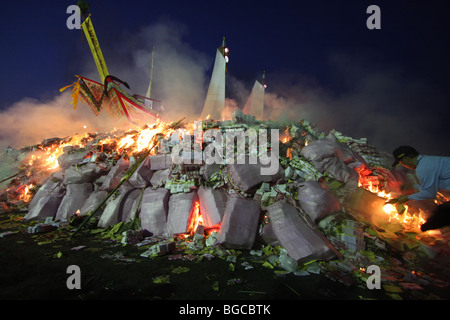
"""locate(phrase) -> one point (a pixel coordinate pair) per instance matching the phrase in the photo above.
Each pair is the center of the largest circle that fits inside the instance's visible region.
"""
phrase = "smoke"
(179, 71)
(385, 104)
(29, 121)
(179, 83)
(380, 102)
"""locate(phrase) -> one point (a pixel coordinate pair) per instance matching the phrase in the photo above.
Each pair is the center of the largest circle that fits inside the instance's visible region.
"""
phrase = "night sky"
(322, 62)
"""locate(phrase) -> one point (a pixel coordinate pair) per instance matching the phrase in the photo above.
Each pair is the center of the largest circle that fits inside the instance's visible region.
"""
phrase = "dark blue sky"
(39, 54)
(38, 51)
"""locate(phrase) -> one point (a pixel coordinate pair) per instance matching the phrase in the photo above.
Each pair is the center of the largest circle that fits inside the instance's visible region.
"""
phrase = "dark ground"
(33, 271)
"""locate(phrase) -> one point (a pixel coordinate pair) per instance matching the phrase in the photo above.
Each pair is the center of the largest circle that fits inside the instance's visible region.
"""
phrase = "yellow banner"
(95, 48)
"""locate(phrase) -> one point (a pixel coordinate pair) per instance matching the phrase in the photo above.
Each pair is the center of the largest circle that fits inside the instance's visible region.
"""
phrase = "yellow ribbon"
(75, 91)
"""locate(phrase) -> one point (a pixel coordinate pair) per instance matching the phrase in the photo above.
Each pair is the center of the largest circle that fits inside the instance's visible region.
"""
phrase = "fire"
(138, 140)
(286, 136)
(195, 220)
(26, 195)
(46, 158)
(198, 225)
(145, 138)
(389, 209)
(42, 160)
(126, 142)
(133, 141)
(409, 221)
(19, 194)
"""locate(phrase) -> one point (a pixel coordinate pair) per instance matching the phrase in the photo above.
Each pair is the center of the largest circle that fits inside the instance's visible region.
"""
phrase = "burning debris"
(325, 202)
(291, 196)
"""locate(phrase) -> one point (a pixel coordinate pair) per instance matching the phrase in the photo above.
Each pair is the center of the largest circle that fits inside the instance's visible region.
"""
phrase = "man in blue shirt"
(433, 173)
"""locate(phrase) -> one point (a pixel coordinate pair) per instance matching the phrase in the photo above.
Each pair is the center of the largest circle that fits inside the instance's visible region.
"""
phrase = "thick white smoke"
(180, 72)
(179, 82)
(378, 102)
(29, 121)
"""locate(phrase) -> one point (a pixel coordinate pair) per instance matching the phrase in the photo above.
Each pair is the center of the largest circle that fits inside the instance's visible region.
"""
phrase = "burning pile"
(132, 176)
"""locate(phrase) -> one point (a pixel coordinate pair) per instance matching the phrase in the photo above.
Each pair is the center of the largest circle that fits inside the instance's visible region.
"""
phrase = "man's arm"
(428, 175)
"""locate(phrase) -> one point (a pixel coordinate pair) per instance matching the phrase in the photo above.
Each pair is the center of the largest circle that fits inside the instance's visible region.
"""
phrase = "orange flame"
(410, 222)
(43, 161)
(286, 136)
(139, 140)
(195, 219)
(26, 195)
(46, 159)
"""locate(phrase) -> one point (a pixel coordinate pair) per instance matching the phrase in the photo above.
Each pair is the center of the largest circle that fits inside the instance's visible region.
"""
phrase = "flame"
(46, 158)
(289, 153)
(389, 209)
(286, 136)
(138, 140)
(26, 195)
(126, 142)
(134, 141)
(409, 221)
(43, 159)
(195, 219)
(19, 193)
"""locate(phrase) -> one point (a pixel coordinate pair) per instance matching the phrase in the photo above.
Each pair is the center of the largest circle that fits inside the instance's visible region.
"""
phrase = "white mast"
(215, 98)
(255, 102)
(149, 90)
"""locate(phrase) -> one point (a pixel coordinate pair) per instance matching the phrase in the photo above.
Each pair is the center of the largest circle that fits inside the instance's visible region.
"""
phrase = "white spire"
(215, 98)
(255, 102)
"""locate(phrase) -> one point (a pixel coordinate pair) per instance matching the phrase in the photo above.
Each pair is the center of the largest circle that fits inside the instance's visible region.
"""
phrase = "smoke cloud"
(179, 83)
(180, 72)
(29, 121)
(378, 102)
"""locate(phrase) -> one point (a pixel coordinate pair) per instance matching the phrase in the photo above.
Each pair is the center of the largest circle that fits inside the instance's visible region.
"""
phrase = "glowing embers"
(26, 195)
(20, 193)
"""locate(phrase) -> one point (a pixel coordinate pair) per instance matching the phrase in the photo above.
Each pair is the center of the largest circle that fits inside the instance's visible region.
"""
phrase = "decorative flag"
(91, 37)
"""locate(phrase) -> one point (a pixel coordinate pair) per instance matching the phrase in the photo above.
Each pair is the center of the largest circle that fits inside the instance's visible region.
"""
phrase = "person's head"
(406, 156)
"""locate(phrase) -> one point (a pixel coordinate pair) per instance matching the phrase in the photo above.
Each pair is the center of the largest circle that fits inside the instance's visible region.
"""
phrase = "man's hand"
(401, 199)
